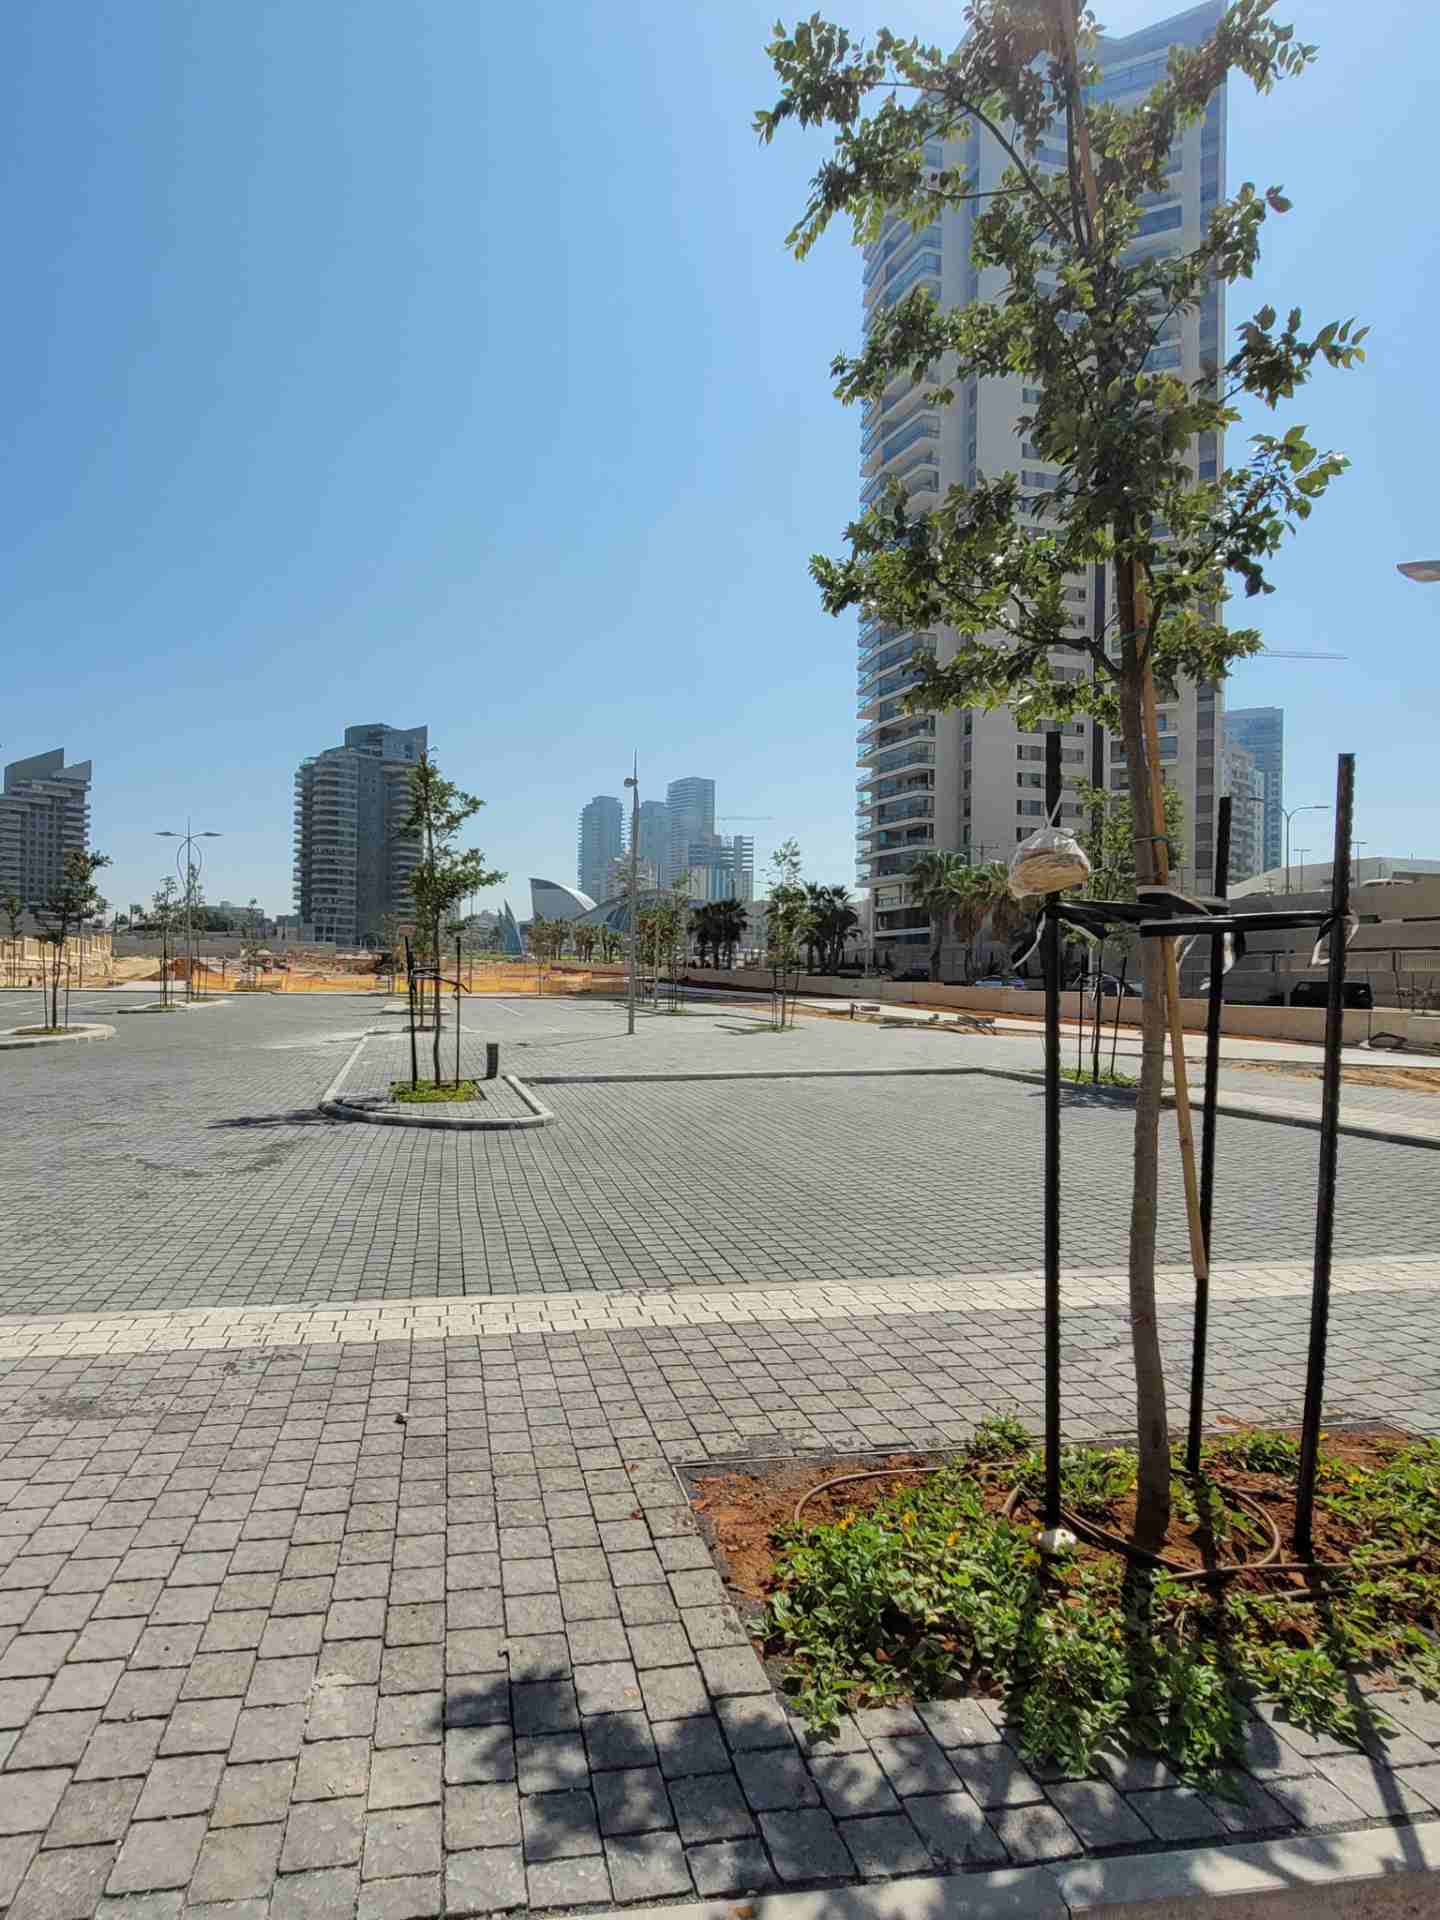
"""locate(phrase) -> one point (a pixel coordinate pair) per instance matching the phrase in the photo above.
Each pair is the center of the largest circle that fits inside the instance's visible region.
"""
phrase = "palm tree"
(944, 885)
(1003, 911)
(727, 929)
(704, 928)
(837, 918)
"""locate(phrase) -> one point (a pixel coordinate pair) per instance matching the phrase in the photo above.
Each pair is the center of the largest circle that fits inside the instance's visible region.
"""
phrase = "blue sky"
(394, 362)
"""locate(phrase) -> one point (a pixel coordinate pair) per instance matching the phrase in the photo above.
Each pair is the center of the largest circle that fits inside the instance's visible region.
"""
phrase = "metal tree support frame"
(1165, 915)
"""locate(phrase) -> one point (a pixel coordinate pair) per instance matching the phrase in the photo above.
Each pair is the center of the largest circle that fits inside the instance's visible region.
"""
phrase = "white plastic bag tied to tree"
(1048, 861)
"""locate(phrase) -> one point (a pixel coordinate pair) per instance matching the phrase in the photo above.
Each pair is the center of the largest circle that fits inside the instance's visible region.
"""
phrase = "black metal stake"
(492, 1059)
(1201, 1334)
(457, 1009)
(410, 993)
(1050, 949)
(1119, 1003)
(1329, 1146)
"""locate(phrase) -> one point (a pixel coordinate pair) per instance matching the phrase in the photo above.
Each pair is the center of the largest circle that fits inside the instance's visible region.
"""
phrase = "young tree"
(789, 924)
(444, 874)
(251, 940)
(1077, 316)
(166, 918)
(13, 907)
(392, 933)
(193, 904)
(71, 901)
(585, 938)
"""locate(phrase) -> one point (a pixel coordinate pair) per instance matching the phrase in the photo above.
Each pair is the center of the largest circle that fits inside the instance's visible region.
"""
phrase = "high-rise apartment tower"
(974, 781)
(601, 838)
(353, 859)
(690, 806)
(44, 814)
(1261, 731)
(654, 836)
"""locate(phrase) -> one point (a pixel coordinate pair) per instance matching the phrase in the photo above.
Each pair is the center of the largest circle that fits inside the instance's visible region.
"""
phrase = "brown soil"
(1408, 1079)
(741, 1511)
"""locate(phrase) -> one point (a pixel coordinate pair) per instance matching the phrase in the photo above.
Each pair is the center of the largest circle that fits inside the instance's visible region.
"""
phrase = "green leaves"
(1079, 315)
(443, 875)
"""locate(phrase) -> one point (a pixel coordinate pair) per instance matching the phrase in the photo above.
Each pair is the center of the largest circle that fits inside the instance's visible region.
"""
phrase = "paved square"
(344, 1567)
(184, 1163)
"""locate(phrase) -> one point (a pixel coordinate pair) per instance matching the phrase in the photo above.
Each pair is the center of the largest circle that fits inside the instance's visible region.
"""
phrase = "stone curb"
(1379, 1871)
(175, 1006)
(11, 1038)
(388, 1116)
(333, 1103)
(1229, 1103)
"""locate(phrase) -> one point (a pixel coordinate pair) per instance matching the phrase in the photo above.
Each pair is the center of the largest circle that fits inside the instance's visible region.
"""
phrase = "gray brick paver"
(265, 1570)
(485, 1880)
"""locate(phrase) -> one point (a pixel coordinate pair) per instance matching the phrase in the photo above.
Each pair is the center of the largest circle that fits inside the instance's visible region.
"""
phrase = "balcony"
(884, 253)
(919, 753)
(907, 676)
(886, 865)
(923, 426)
(924, 268)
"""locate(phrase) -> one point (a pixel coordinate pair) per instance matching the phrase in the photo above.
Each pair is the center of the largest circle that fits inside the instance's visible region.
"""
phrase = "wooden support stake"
(1199, 1258)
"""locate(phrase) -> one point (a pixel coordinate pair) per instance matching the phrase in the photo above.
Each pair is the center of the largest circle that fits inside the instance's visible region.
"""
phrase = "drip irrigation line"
(1268, 1563)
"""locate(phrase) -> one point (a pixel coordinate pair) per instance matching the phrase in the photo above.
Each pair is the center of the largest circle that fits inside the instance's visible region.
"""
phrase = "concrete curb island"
(381, 1113)
(13, 1038)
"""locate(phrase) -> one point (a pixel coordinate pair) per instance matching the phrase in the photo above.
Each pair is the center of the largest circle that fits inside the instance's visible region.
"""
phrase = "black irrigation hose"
(1269, 1562)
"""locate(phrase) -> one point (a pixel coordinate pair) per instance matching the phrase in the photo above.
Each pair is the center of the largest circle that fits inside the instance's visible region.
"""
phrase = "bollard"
(492, 1059)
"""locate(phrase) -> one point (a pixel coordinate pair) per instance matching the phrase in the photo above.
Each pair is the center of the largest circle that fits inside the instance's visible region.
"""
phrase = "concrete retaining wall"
(1264, 1023)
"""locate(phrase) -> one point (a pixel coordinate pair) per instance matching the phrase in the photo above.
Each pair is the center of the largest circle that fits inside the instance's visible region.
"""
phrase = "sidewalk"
(398, 1609)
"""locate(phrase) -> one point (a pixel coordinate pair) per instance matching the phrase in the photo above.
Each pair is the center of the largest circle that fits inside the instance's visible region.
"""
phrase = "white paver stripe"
(372, 1322)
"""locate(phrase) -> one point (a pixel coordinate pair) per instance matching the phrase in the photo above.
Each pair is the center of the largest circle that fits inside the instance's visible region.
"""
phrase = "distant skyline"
(354, 368)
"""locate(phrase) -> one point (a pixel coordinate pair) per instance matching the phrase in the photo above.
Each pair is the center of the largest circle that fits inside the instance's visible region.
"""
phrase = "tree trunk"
(937, 943)
(1152, 1512)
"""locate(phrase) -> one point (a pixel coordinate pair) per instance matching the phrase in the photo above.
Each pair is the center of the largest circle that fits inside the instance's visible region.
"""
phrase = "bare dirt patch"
(1405, 1079)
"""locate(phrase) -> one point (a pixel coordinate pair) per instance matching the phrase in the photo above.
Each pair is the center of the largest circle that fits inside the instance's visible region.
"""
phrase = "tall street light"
(188, 852)
(1314, 806)
(632, 780)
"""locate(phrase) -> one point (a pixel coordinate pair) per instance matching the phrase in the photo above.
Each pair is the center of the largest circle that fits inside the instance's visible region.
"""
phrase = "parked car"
(1000, 980)
(1316, 993)
(912, 973)
(1110, 985)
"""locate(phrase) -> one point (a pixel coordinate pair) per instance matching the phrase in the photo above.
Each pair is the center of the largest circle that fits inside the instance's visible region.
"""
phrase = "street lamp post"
(190, 854)
(632, 781)
(1315, 806)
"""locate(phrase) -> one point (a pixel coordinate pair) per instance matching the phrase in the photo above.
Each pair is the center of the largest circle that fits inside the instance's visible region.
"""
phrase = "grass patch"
(1082, 1077)
(931, 1590)
(36, 1033)
(429, 1092)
